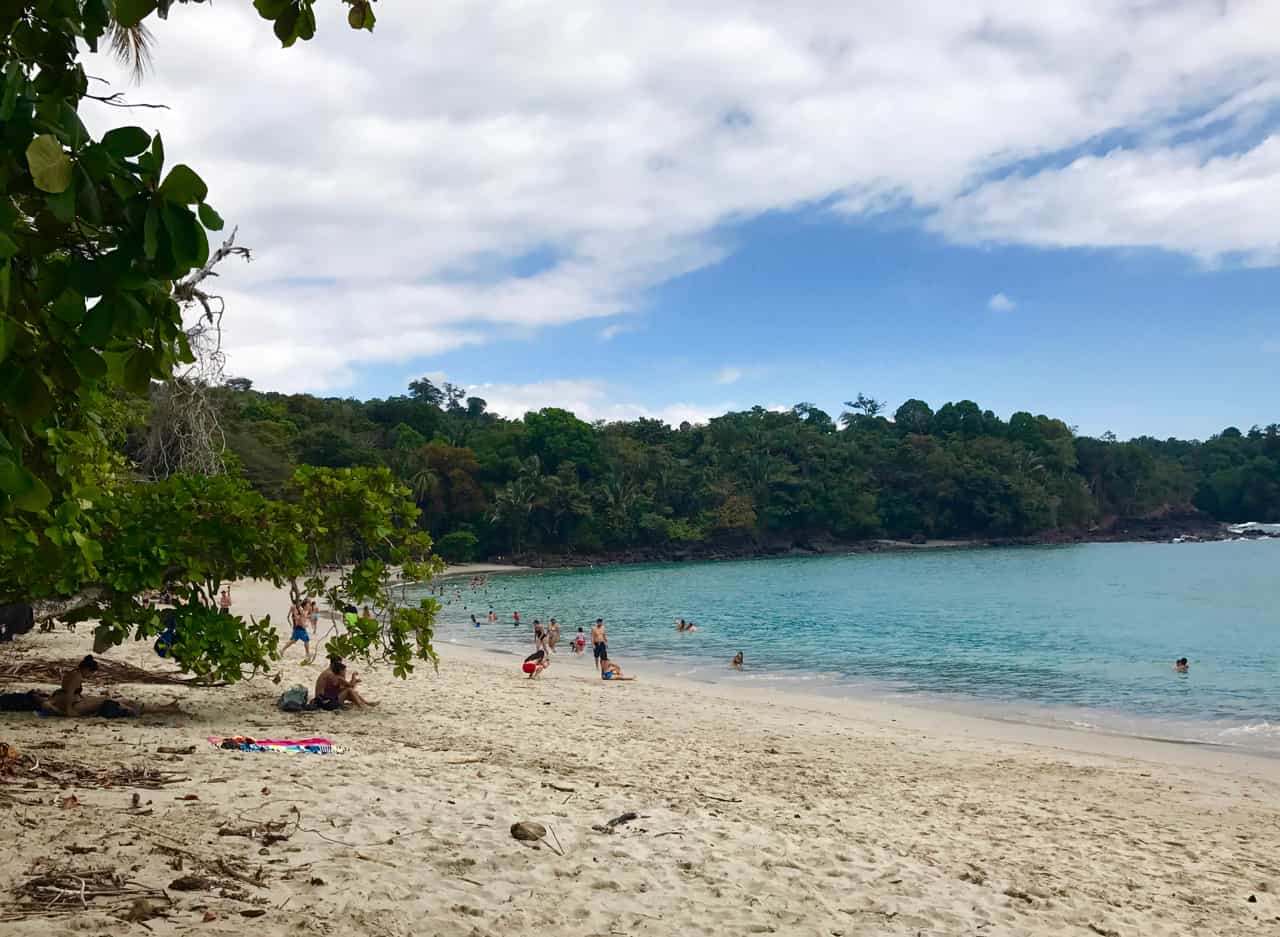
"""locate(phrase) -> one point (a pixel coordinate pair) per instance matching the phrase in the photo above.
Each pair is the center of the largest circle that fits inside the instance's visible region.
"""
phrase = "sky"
(674, 209)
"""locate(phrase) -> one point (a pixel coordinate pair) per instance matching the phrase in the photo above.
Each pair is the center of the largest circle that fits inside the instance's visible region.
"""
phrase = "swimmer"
(1181, 665)
(736, 663)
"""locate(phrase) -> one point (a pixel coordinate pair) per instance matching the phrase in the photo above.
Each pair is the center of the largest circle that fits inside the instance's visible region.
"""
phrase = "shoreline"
(975, 716)
(752, 811)
(1154, 532)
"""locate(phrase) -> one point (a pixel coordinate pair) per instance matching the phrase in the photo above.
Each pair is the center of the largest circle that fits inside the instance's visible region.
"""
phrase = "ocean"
(1082, 635)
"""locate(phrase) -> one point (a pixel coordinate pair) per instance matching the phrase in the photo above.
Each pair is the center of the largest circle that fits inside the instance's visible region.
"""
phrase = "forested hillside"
(551, 483)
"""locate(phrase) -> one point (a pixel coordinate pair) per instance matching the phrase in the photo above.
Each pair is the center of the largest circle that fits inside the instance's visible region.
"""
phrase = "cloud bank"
(475, 171)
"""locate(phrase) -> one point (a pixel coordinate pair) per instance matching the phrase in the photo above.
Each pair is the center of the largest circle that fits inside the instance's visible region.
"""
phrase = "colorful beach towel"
(243, 743)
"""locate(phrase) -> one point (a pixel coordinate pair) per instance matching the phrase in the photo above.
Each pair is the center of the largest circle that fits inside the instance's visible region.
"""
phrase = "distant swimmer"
(682, 625)
(736, 663)
(516, 616)
(1181, 665)
(474, 622)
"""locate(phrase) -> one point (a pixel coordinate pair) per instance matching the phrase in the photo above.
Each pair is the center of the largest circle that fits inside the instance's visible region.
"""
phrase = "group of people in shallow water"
(547, 638)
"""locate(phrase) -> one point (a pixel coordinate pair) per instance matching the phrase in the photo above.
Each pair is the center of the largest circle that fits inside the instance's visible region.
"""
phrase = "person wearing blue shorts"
(298, 619)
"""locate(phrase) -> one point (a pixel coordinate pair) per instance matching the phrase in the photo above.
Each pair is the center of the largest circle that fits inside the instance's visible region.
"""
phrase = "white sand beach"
(756, 814)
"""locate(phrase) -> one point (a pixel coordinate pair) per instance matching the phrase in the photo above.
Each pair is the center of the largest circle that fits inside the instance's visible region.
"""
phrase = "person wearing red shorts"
(535, 663)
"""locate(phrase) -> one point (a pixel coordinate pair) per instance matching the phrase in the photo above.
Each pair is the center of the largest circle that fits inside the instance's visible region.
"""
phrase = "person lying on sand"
(334, 689)
(535, 663)
(736, 663)
(69, 699)
(611, 671)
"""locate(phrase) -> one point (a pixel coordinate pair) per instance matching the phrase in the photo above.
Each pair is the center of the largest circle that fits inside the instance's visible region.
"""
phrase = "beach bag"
(293, 700)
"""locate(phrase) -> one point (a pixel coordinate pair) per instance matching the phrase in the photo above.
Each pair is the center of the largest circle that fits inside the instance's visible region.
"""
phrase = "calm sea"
(1082, 635)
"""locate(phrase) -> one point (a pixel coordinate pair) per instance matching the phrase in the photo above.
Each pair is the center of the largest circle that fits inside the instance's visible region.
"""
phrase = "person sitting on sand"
(736, 663)
(579, 643)
(1181, 665)
(611, 671)
(535, 663)
(298, 620)
(334, 689)
(68, 699)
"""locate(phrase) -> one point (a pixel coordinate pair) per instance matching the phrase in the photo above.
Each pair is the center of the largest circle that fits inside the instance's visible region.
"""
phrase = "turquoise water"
(1084, 635)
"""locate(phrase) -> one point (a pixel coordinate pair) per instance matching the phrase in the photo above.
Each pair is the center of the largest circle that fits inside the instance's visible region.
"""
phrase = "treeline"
(553, 483)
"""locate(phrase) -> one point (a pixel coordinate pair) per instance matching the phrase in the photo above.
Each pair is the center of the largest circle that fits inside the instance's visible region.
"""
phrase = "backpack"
(293, 700)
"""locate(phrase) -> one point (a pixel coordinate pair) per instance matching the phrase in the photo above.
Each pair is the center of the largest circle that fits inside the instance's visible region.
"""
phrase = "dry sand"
(757, 814)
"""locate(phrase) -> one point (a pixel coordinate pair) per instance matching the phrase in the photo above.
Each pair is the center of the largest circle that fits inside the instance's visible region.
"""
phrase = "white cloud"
(610, 332)
(1001, 303)
(728, 375)
(1176, 198)
(588, 399)
(396, 185)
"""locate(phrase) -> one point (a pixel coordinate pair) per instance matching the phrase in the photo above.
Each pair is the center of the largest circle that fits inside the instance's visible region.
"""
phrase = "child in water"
(579, 643)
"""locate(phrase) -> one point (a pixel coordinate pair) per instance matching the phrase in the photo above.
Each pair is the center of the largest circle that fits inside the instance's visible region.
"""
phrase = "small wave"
(1252, 730)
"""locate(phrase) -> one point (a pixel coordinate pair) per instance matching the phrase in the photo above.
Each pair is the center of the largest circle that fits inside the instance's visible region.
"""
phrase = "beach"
(756, 812)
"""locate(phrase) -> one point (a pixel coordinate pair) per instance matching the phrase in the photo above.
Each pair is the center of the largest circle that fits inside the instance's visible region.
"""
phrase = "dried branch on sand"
(108, 672)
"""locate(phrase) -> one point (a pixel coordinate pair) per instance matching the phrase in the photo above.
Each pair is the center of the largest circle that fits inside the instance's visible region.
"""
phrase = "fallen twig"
(723, 800)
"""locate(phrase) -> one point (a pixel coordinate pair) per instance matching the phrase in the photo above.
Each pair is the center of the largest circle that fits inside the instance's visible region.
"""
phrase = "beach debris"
(1019, 894)
(1253, 899)
(559, 787)
(191, 883)
(70, 802)
(66, 774)
(528, 832)
(616, 822)
(1103, 932)
(723, 800)
(269, 832)
(188, 797)
(176, 750)
(62, 891)
(108, 672)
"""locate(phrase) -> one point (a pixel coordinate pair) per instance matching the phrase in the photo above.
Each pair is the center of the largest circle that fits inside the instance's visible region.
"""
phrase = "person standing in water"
(736, 663)
(1181, 665)
(553, 635)
(599, 642)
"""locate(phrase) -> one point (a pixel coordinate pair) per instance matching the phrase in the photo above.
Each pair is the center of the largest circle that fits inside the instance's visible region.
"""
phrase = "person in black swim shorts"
(600, 642)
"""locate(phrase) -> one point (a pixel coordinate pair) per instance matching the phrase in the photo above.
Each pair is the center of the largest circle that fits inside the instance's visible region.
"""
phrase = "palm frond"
(131, 46)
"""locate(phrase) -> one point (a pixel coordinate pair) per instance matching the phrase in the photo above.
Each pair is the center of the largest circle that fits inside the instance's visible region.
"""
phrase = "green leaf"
(137, 370)
(126, 141)
(98, 324)
(270, 9)
(286, 24)
(50, 166)
(186, 238)
(183, 186)
(15, 79)
(209, 218)
(89, 364)
(5, 327)
(8, 247)
(36, 499)
(132, 12)
(14, 479)
(63, 204)
(69, 307)
(151, 231)
(33, 398)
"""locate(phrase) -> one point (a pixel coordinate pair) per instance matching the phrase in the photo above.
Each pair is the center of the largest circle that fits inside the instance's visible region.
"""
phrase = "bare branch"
(114, 101)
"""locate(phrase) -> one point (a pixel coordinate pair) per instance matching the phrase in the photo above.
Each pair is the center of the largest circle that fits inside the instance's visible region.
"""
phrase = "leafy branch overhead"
(102, 242)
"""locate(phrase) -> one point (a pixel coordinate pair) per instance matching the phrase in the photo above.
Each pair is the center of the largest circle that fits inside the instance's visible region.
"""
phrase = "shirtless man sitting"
(334, 689)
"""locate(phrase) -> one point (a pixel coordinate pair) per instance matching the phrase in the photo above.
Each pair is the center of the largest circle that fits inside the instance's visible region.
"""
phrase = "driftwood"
(65, 774)
(616, 822)
(108, 672)
(68, 891)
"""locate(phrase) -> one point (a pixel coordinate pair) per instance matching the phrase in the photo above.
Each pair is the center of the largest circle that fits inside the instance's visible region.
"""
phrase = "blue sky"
(811, 306)
(682, 207)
